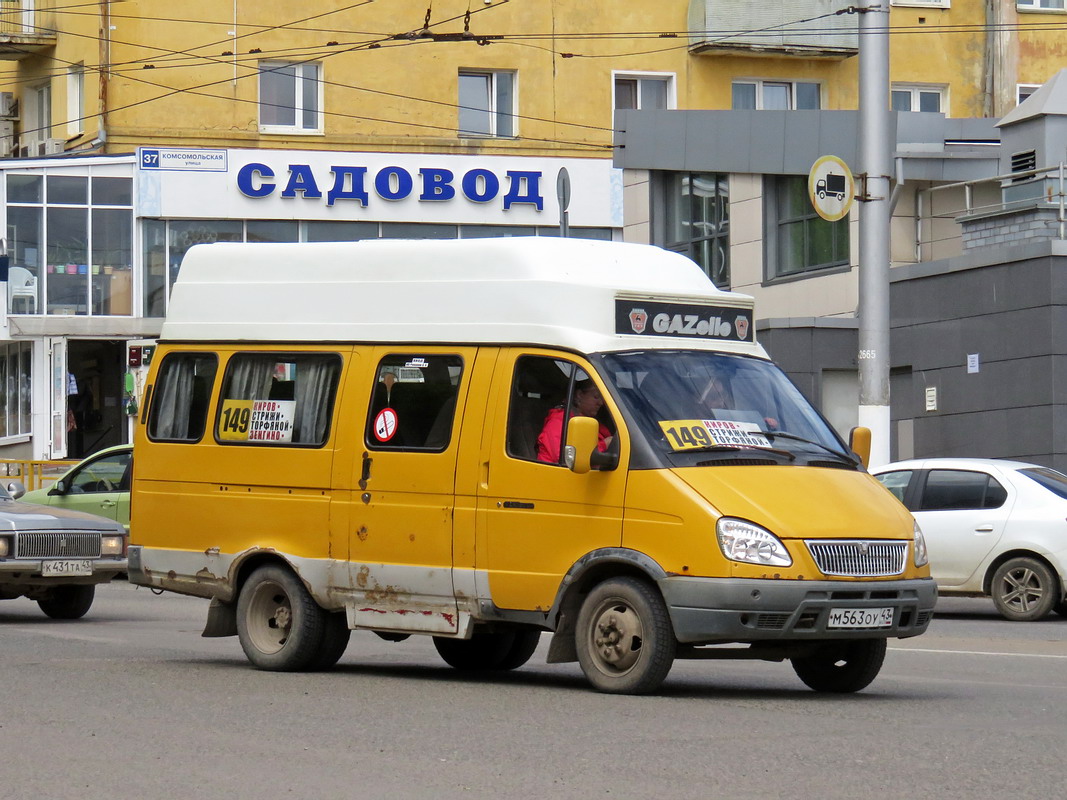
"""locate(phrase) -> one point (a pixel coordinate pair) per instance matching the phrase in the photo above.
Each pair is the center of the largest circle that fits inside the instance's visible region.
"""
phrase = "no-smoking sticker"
(385, 425)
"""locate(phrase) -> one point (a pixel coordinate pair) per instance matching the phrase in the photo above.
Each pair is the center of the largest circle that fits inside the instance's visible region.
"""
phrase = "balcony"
(26, 28)
(758, 27)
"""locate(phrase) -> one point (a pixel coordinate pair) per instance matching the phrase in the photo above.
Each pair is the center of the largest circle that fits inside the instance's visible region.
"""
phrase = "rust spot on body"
(362, 533)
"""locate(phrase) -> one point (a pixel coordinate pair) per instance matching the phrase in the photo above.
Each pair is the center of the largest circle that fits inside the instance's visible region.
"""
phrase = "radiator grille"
(58, 545)
(859, 559)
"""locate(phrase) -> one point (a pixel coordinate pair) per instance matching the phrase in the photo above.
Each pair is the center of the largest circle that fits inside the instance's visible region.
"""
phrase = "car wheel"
(1024, 589)
(279, 624)
(334, 640)
(68, 602)
(842, 666)
(488, 650)
(624, 637)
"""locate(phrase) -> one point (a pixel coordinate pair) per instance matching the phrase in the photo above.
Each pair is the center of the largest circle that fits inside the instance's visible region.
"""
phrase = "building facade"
(132, 130)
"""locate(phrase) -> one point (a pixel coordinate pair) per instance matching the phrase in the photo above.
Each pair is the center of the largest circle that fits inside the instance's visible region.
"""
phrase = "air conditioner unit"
(7, 138)
(50, 147)
(8, 105)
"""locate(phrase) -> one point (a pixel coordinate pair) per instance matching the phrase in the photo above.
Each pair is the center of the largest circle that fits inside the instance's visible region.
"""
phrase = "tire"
(488, 650)
(334, 640)
(624, 637)
(1024, 589)
(68, 602)
(280, 626)
(843, 666)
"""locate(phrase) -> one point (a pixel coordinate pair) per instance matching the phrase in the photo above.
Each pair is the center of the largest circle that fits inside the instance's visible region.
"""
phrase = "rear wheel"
(624, 637)
(1024, 589)
(843, 666)
(334, 640)
(488, 650)
(279, 624)
(68, 602)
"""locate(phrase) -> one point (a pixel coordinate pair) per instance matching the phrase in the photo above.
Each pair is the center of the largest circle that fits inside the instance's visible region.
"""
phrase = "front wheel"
(624, 637)
(279, 624)
(1024, 589)
(68, 602)
(842, 667)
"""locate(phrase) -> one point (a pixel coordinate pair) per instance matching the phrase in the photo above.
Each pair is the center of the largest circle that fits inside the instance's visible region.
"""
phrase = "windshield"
(701, 408)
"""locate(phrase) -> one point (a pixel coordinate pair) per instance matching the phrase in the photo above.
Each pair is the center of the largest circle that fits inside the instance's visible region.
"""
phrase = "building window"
(647, 92)
(75, 99)
(290, 98)
(917, 98)
(798, 239)
(15, 389)
(1024, 90)
(776, 95)
(487, 104)
(70, 243)
(1042, 5)
(938, 3)
(697, 221)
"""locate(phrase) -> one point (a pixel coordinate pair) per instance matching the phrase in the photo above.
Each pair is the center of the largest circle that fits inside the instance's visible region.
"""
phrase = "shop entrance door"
(98, 368)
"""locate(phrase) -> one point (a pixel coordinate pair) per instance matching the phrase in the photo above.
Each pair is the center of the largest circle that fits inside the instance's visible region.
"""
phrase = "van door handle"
(984, 529)
(516, 504)
(365, 475)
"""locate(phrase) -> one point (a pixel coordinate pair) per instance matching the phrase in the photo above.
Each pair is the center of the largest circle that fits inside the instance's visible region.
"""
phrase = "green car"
(98, 485)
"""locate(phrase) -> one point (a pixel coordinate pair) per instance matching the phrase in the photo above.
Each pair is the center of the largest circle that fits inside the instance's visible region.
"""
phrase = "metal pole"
(875, 163)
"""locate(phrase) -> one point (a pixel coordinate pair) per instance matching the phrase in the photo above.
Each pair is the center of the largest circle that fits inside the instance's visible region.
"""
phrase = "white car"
(992, 527)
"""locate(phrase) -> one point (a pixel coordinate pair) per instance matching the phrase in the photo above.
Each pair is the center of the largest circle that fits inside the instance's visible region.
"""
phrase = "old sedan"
(56, 556)
(992, 527)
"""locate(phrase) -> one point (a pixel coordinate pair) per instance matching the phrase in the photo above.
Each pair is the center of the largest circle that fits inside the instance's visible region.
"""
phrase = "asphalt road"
(132, 702)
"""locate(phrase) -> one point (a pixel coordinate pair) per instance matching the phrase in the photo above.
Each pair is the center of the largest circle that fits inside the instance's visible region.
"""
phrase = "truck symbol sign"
(834, 185)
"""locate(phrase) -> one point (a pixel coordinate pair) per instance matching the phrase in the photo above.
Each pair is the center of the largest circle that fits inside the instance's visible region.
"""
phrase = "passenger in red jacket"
(587, 402)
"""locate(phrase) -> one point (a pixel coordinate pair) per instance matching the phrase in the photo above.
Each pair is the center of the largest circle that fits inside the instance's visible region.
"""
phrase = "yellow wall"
(402, 94)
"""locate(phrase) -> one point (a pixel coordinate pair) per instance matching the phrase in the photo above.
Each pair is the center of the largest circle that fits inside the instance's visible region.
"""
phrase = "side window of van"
(278, 399)
(413, 403)
(539, 392)
(179, 403)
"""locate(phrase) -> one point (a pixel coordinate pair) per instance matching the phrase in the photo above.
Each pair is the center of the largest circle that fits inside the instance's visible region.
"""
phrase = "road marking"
(78, 637)
(974, 652)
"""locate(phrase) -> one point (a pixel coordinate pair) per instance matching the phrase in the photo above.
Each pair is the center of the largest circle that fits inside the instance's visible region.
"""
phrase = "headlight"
(5, 546)
(921, 557)
(112, 545)
(751, 544)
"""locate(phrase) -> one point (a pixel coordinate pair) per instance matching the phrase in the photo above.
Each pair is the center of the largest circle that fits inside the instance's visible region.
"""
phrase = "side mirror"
(582, 438)
(58, 488)
(859, 439)
(16, 489)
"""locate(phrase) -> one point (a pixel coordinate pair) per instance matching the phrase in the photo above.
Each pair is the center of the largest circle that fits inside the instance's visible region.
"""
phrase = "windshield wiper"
(827, 448)
(736, 448)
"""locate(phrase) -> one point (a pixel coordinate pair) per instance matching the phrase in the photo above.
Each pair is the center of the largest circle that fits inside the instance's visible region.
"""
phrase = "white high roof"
(527, 290)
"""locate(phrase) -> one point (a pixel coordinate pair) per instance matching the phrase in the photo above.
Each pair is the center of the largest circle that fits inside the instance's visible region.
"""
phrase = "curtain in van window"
(315, 381)
(179, 408)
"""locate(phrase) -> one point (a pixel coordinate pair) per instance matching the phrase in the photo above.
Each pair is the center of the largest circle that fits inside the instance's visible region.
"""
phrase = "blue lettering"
(349, 183)
(437, 184)
(480, 185)
(383, 183)
(301, 180)
(525, 188)
(245, 180)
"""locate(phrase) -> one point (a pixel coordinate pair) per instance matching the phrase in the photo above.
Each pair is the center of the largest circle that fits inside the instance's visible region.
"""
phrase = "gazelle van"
(351, 436)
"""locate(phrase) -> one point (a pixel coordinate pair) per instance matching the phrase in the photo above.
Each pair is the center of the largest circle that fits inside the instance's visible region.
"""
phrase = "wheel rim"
(1021, 589)
(270, 617)
(615, 637)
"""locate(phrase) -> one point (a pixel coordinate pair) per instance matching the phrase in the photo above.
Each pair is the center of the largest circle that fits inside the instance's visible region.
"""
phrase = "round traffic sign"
(831, 188)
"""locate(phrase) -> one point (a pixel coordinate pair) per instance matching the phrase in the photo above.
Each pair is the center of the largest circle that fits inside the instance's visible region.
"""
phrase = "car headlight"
(750, 544)
(921, 556)
(5, 546)
(112, 545)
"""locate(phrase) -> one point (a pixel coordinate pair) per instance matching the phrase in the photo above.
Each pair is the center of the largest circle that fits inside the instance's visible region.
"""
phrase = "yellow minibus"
(484, 440)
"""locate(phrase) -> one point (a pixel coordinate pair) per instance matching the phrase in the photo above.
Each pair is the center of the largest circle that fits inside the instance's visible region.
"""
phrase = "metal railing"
(1054, 195)
(34, 474)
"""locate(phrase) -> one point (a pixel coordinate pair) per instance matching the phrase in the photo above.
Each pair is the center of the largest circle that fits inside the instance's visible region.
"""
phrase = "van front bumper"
(707, 610)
